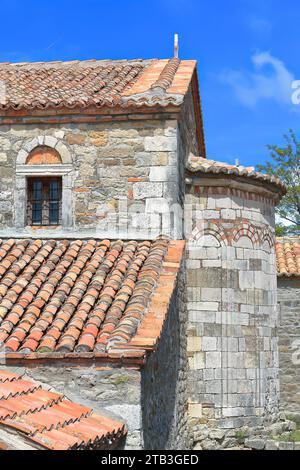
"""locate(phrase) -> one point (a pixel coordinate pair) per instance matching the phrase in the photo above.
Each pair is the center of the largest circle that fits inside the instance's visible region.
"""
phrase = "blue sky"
(246, 49)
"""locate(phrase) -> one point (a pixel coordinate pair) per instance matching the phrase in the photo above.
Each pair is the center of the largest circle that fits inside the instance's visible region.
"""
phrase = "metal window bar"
(44, 206)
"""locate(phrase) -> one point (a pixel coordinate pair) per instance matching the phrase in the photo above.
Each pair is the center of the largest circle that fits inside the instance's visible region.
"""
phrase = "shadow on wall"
(163, 407)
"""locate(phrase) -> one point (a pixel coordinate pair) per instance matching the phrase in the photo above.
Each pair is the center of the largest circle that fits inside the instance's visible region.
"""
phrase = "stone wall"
(289, 343)
(164, 382)
(116, 169)
(232, 308)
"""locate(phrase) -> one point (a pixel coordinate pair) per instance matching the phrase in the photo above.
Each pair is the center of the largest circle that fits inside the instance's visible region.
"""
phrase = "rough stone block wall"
(289, 343)
(164, 382)
(232, 336)
(121, 176)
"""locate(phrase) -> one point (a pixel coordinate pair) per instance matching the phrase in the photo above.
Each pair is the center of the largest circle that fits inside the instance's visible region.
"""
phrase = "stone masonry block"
(202, 317)
(157, 205)
(216, 277)
(160, 144)
(228, 214)
(211, 294)
(197, 361)
(213, 386)
(204, 306)
(194, 344)
(213, 360)
(195, 410)
(147, 190)
(209, 343)
(163, 173)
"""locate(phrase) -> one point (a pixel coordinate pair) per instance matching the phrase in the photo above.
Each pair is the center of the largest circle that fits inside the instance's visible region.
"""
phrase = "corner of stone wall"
(164, 381)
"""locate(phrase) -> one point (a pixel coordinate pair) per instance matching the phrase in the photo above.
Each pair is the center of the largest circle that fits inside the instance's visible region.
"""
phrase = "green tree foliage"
(285, 164)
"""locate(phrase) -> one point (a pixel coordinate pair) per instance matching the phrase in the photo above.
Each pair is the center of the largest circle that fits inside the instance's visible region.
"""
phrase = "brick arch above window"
(44, 155)
(44, 141)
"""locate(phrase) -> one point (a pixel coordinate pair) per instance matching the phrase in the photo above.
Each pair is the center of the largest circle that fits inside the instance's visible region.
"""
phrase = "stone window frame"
(65, 170)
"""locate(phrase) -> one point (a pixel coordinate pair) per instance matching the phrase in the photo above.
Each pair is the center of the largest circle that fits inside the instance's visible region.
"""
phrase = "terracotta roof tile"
(50, 420)
(288, 256)
(95, 83)
(202, 165)
(79, 296)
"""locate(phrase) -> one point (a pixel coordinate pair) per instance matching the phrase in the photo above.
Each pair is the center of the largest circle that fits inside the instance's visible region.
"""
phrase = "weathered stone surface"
(160, 144)
(272, 445)
(99, 138)
(256, 444)
(147, 190)
(75, 139)
(209, 445)
(198, 447)
(286, 446)
(217, 434)
(289, 333)
(229, 443)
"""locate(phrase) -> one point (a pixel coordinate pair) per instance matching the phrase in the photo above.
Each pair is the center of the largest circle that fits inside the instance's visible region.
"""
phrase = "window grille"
(44, 204)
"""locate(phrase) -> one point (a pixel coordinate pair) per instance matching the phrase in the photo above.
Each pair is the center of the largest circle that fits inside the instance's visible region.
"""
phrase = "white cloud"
(270, 80)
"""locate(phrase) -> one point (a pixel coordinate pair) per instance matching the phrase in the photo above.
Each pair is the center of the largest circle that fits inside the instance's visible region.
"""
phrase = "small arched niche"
(208, 241)
(44, 155)
(244, 241)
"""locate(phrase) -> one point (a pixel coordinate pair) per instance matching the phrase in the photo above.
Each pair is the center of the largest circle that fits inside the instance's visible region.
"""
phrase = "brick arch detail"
(205, 228)
(44, 141)
(44, 155)
(245, 229)
(269, 237)
(216, 231)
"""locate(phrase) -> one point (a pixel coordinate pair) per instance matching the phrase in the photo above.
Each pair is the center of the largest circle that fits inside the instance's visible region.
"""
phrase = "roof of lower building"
(85, 296)
(288, 256)
(95, 83)
(49, 420)
(203, 165)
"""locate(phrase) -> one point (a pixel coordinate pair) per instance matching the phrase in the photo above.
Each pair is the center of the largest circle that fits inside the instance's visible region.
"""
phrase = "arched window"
(44, 185)
(44, 194)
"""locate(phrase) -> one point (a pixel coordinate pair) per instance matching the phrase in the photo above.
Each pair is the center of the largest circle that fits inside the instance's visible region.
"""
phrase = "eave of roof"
(81, 84)
(50, 421)
(148, 309)
(197, 165)
(96, 87)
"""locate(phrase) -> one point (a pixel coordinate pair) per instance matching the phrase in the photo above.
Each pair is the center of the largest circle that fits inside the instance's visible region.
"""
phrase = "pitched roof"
(288, 256)
(83, 296)
(49, 420)
(197, 164)
(81, 84)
